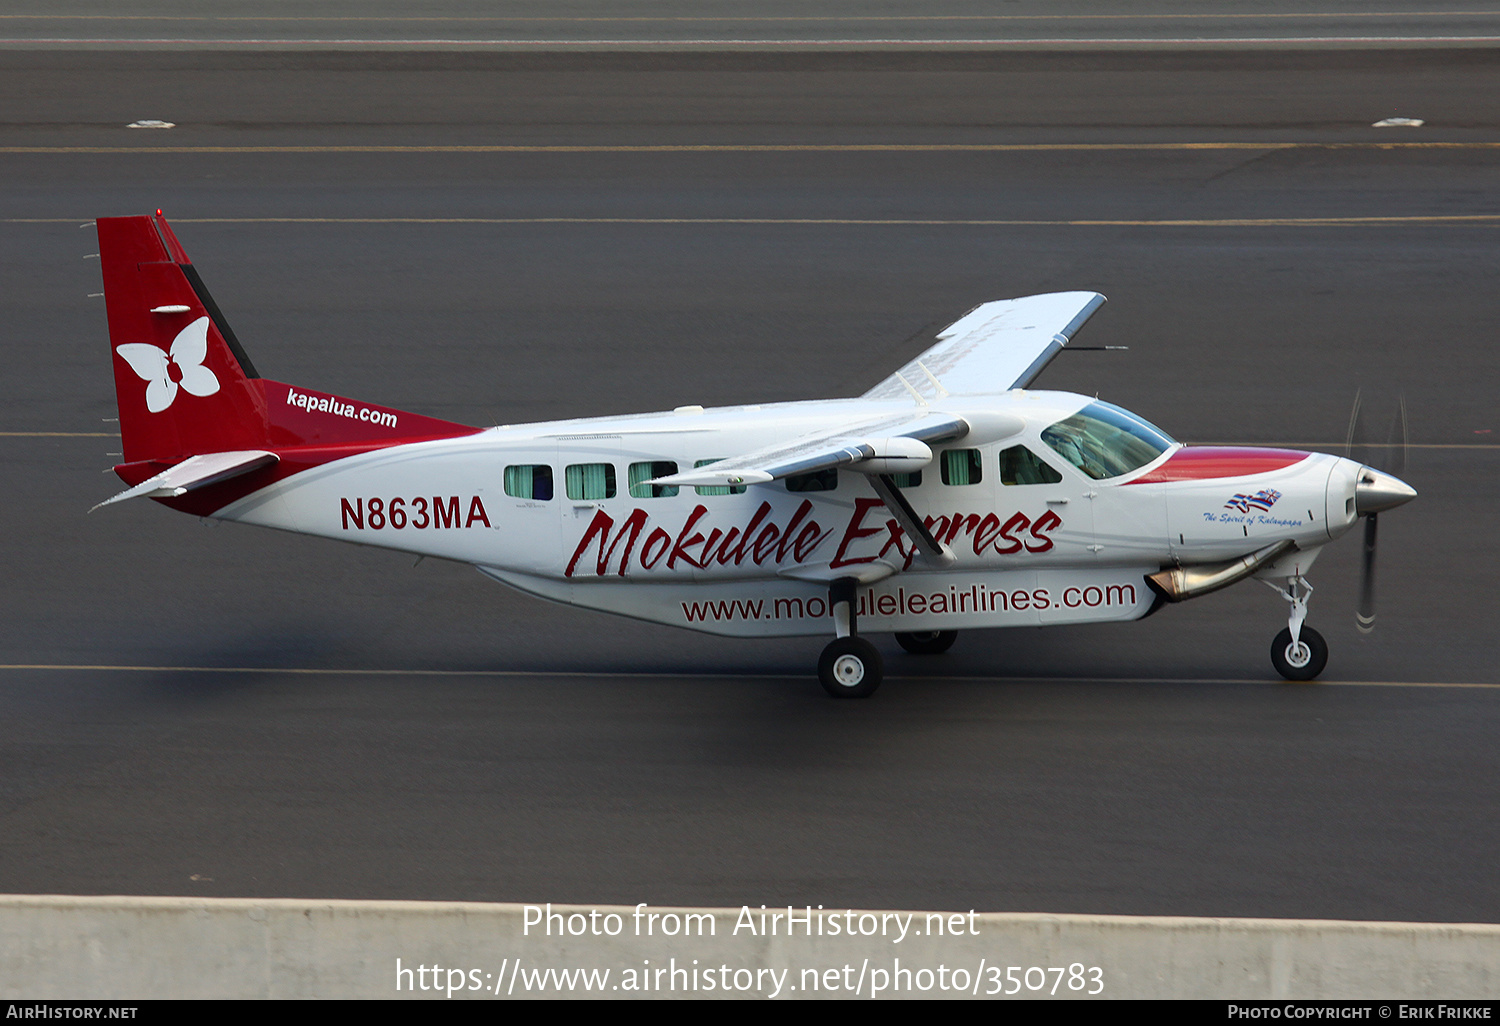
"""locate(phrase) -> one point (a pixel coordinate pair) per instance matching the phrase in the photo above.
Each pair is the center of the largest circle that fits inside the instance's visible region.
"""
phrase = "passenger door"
(1046, 510)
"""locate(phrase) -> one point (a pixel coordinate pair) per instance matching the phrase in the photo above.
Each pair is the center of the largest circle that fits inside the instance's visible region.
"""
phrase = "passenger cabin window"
(817, 481)
(590, 481)
(640, 473)
(531, 481)
(911, 480)
(1105, 441)
(717, 489)
(962, 467)
(1020, 466)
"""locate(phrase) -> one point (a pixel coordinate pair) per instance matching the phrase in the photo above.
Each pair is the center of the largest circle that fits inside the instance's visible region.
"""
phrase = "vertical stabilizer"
(182, 382)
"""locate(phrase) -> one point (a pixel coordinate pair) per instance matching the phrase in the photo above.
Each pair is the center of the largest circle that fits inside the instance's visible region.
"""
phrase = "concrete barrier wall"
(136, 948)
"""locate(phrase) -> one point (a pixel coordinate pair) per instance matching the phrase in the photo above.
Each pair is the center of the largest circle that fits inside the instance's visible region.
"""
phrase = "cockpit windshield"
(1103, 440)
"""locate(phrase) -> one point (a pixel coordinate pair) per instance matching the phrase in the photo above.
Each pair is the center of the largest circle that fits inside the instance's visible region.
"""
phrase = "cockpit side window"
(1103, 440)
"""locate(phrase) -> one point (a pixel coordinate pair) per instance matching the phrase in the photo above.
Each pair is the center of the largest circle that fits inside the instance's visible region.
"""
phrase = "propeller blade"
(1377, 490)
(1364, 618)
(1353, 423)
(1402, 443)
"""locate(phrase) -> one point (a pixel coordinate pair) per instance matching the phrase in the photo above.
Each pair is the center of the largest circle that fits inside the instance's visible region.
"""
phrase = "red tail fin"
(183, 384)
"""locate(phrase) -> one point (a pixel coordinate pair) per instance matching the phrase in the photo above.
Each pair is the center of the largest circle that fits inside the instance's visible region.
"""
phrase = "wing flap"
(993, 348)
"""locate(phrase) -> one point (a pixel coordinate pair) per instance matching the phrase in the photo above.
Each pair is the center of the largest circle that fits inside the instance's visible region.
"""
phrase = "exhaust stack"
(1181, 583)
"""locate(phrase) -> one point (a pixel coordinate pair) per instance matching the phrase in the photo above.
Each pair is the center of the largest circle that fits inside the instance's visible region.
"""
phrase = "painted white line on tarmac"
(313, 671)
(1057, 41)
(690, 148)
(752, 18)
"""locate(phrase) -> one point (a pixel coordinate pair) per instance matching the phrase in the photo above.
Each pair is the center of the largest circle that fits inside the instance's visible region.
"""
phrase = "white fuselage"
(758, 561)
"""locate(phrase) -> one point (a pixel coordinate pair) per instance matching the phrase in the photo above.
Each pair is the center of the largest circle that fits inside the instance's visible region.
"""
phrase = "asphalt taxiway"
(190, 709)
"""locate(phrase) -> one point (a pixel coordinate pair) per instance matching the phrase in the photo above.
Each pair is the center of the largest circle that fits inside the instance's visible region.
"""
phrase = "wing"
(994, 347)
(900, 437)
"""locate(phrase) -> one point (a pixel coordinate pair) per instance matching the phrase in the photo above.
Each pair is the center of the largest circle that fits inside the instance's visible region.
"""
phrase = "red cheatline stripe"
(1200, 463)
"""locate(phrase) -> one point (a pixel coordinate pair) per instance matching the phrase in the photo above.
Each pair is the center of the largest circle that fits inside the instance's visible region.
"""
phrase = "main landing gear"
(927, 642)
(850, 667)
(1299, 652)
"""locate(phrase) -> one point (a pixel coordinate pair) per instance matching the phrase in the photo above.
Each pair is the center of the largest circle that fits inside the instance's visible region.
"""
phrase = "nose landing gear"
(850, 666)
(1299, 652)
(1302, 659)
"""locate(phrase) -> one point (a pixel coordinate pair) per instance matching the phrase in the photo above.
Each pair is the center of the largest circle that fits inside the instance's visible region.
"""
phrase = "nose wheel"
(1299, 652)
(850, 667)
(1302, 659)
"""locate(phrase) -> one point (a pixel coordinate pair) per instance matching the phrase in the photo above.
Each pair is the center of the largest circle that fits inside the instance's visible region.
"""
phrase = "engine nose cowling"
(1376, 491)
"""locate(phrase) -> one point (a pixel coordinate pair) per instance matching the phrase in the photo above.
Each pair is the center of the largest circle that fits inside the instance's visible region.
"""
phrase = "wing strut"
(932, 550)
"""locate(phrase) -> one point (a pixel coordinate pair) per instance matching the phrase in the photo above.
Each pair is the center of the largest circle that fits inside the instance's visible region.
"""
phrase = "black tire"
(850, 668)
(1304, 664)
(927, 642)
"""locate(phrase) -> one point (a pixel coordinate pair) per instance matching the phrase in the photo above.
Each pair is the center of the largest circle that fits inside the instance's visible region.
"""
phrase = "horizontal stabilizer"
(197, 472)
(886, 439)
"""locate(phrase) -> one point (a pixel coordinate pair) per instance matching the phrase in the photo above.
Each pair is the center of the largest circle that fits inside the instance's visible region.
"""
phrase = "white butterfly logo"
(164, 372)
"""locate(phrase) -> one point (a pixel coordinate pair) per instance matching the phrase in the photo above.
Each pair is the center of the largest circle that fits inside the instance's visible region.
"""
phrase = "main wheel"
(1302, 661)
(850, 668)
(927, 642)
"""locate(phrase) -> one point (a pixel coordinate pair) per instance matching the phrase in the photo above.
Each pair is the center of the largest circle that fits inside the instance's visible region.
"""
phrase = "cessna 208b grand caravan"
(949, 496)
